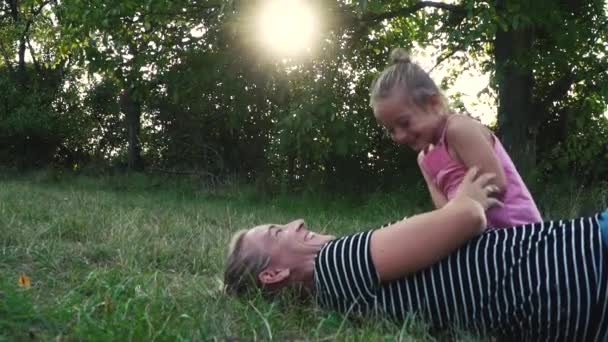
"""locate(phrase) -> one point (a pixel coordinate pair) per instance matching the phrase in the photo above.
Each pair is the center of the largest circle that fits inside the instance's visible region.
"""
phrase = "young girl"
(407, 102)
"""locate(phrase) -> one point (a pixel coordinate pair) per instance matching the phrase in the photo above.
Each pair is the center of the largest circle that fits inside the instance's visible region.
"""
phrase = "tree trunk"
(131, 107)
(22, 77)
(517, 125)
(21, 74)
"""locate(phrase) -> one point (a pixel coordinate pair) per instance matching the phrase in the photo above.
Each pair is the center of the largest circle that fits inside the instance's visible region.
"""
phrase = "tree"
(184, 86)
(526, 38)
(33, 77)
(129, 42)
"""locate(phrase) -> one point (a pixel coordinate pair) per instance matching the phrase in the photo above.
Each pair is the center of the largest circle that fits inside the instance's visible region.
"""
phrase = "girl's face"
(409, 124)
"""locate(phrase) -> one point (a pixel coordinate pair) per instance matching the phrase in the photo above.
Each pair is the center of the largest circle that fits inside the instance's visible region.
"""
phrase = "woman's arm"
(422, 240)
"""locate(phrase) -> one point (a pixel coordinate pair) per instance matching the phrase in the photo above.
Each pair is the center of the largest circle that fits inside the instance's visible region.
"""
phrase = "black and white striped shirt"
(544, 281)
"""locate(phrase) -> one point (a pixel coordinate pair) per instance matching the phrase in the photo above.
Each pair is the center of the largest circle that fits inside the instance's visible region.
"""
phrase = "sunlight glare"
(288, 26)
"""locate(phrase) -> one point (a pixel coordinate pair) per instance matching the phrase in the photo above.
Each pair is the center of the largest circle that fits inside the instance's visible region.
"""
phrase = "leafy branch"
(406, 11)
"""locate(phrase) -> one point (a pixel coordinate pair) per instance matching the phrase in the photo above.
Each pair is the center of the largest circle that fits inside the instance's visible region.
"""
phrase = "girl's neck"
(441, 126)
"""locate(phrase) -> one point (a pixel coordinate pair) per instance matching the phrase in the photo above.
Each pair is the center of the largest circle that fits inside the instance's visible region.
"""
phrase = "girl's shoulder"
(462, 125)
(458, 121)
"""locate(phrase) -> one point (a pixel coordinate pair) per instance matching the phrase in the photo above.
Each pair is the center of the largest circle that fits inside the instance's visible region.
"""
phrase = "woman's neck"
(304, 274)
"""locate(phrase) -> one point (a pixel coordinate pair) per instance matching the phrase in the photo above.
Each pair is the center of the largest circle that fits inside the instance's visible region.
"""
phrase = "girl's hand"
(439, 199)
(423, 154)
(479, 188)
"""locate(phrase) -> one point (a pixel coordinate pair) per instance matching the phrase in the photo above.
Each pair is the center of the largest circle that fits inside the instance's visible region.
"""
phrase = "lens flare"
(288, 26)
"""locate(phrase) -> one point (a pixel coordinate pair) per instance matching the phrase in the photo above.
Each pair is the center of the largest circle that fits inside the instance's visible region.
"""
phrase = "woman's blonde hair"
(242, 269)
(410, 78)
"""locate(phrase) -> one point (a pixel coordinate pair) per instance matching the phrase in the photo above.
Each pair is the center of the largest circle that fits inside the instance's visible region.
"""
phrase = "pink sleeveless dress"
(447, 174)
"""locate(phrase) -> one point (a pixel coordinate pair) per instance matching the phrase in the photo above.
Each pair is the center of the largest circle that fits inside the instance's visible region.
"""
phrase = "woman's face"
(285, 244)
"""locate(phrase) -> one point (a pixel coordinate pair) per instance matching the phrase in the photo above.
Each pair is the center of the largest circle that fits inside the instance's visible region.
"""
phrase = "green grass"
(140, 258)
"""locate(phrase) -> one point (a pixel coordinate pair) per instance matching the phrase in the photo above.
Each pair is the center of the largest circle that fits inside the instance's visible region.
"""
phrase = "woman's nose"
(298, 224)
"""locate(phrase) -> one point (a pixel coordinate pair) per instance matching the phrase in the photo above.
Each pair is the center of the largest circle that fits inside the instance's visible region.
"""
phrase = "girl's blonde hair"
(414, 83)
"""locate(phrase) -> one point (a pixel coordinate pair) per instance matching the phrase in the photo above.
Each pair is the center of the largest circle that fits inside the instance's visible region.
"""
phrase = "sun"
(288, 26)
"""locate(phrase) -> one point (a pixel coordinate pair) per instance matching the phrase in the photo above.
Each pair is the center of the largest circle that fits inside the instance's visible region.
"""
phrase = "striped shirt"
(543, 281)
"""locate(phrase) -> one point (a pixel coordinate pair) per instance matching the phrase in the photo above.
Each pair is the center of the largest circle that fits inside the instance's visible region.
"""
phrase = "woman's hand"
(422, 240)
(479, 188)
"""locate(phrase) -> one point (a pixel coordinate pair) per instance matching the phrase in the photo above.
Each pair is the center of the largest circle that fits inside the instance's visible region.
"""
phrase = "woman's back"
(542, 281)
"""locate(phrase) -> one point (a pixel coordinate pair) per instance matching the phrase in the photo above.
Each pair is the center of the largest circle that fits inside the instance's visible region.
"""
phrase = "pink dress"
(447, 174)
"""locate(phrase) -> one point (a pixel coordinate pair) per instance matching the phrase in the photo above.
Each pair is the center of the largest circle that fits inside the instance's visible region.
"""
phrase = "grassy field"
(138, 258)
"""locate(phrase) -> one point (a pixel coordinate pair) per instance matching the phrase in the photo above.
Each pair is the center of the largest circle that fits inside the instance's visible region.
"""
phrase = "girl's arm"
(473, 148)
(439, 199)
(422, 240)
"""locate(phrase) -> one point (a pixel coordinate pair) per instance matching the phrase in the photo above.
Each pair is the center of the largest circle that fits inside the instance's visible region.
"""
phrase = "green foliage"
(107, 132)
(584, 151)
(209, 119)
(16, 309)
(210, 102)
(30, 128)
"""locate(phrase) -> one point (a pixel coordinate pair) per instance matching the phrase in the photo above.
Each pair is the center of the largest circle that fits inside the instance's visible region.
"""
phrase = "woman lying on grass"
(538, 281)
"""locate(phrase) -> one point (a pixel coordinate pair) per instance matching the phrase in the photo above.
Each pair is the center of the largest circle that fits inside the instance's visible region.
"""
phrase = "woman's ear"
(274, 276)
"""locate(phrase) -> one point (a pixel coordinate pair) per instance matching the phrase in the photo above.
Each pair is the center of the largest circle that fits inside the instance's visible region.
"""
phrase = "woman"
(535, 282)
